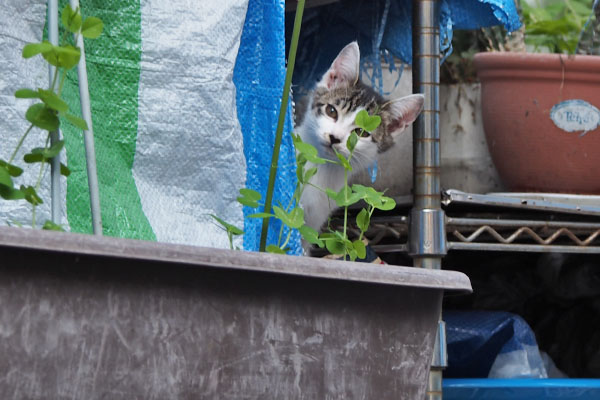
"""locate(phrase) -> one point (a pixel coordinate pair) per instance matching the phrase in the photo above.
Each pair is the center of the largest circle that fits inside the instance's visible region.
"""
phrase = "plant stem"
(54, 78)
(282, 112)
(345, 201)
(62, 81)
(39, 181)
(287, 239)
(14, 154)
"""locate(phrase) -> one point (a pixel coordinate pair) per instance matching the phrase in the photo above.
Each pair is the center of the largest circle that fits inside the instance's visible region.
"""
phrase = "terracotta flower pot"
(541, 117)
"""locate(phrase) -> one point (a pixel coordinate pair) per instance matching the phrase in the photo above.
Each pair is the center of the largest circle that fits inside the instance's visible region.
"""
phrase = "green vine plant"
(46, 112)
(292, 215)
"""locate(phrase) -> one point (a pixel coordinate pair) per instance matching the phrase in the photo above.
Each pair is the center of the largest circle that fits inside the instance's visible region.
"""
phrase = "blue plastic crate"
(521, 389)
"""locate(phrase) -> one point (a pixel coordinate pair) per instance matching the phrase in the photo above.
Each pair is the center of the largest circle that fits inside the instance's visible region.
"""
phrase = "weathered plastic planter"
(91, 317)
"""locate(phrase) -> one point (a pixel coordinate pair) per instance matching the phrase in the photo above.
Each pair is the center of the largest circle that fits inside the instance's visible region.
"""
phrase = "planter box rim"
(103, 246)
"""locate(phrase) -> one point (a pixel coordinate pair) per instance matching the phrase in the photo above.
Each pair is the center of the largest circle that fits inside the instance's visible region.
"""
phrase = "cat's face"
(334, 112)
(339, 96)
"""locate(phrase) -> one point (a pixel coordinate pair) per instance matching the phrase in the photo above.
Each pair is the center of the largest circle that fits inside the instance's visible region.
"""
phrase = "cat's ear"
(403, 112)
(344, 69)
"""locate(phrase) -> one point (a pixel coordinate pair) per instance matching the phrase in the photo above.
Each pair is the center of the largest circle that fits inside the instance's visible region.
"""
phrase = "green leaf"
(32, 49)
(249, 197)
(343, 199)
(12, 170)
(360, 248)
(370, 195)
(344, 162)
(363, 220)
(332, 194)
(275, 249)
(27, 94)
(51, 151)
(92, 27)
(51, 226)
(293, 219)
(5, 178)
(71, 19)
(310, 152)
(360, 189)
(351, 142)
(367, 122)
(334, 245)
(31, 195)
(31, 158)
(228, 227)
(296, 217)
(63, 56)
(76, 121)
(10, 193)
(52, 100)
(64, 170)
(309, 174)
(311, 235)
(261, 215)
(42, 117)
(387, 203)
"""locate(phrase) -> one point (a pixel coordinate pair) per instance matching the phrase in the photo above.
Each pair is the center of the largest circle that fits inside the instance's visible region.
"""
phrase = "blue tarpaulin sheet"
(475, 339)
(384, 28)
(259, 77)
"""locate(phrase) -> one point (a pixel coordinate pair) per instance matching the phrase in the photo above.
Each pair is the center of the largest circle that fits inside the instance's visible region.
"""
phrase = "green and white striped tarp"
(168, 143)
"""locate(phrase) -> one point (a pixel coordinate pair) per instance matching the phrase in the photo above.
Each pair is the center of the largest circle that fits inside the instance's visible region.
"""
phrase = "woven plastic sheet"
(113, 66)
(259, 76)
(22, 22)
(485, 344)
(189, 160)
(169, 147)
(384, 28)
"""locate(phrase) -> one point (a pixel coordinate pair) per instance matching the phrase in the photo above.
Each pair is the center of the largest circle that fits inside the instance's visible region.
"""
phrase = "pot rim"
(517, 60)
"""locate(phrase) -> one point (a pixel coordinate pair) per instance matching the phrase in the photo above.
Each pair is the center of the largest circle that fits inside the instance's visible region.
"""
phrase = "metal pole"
(56, 199)
(427, 234)
(88, 136)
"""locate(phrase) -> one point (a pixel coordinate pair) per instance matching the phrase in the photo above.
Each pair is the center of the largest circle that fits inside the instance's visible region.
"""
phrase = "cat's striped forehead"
(347, 99)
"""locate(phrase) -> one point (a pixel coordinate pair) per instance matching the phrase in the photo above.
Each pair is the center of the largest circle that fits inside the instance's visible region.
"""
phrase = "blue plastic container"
(521, 389)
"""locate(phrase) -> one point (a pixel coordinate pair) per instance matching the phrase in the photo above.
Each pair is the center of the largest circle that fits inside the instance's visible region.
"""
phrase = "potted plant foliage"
(541, 98)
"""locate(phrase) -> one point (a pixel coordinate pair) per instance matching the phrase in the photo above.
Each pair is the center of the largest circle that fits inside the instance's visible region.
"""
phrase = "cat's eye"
(331, 111)
(361, 133)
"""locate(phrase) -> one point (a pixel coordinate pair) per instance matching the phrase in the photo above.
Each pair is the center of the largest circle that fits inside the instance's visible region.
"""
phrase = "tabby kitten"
(329, 120)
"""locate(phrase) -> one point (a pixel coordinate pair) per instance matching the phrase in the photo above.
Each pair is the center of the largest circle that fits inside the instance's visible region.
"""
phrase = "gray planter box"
(102, 318)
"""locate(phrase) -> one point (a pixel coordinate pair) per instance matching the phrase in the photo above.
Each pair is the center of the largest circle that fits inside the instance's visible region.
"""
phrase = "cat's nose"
(333, 140)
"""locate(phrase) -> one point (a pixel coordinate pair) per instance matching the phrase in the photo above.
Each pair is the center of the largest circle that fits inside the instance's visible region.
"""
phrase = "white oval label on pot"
(575, 116)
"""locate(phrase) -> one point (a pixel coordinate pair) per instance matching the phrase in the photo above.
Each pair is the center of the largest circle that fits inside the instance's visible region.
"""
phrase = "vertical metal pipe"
(88, 135)
(56, 198)
(427, 240)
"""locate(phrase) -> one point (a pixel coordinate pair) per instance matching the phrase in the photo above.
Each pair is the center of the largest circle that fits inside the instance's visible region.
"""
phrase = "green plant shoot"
(47, 110)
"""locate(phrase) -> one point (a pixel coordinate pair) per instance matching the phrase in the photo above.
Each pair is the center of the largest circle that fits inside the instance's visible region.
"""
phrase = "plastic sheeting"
(259, 76)
(491, 344)
(189, 153)
(383, 27)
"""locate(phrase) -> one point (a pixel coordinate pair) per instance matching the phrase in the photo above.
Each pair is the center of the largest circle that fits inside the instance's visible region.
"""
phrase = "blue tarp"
(384, 28)
(475, 339)
(259, 76)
